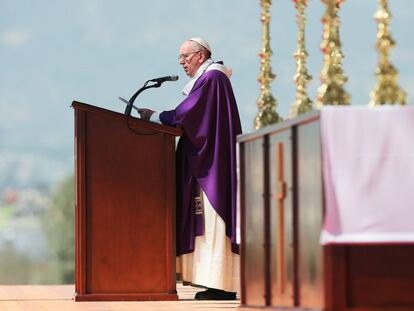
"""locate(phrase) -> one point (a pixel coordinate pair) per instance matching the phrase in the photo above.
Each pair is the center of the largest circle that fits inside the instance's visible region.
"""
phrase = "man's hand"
(145, 113)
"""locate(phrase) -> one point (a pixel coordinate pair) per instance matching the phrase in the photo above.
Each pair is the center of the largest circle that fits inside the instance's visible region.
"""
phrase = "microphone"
(163, 79)
(158, 82)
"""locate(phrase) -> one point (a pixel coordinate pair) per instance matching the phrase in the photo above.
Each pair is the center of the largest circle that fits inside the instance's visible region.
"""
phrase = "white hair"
(201, 48)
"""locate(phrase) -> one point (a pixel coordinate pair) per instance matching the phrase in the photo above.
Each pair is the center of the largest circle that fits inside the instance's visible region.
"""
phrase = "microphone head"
(163, 79)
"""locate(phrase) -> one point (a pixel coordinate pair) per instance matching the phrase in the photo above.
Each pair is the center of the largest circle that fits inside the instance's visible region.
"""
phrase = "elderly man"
(206, 174)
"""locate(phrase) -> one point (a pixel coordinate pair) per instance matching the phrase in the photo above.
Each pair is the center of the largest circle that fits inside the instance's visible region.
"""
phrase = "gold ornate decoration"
(302, 102)
(331, 91)
(266, 103)
(387, 90)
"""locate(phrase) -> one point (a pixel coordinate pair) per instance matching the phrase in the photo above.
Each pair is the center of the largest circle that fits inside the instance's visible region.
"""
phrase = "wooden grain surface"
(125, 207)
(60, 298)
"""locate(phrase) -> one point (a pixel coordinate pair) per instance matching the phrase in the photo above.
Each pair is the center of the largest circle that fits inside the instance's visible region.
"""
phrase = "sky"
(53, 52)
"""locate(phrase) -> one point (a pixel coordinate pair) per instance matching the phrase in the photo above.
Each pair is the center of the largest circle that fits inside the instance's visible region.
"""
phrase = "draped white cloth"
(212, 264)
(208, 65)
(368, 172)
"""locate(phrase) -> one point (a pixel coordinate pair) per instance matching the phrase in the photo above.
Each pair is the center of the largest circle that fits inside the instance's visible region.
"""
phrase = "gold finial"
(302, 102)
(387, 90)
(331, 91)
(266, 103)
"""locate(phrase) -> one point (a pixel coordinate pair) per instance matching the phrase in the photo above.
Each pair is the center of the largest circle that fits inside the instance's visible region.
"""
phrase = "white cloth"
(155, 117)
(368, 169)
(212, 264)
(208, 65)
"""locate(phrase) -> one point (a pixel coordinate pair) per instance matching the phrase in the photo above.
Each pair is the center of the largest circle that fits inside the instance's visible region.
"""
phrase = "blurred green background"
(37, 240)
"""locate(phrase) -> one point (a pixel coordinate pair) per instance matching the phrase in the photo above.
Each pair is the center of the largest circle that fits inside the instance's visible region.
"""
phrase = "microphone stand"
(128, 108)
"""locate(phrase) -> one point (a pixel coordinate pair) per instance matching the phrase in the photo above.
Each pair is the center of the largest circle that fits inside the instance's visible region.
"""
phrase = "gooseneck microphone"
(157, 83)
(163, 79)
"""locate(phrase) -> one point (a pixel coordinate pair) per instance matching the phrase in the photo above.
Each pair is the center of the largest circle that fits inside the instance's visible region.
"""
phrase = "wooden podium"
(125, 207)
(283, 264)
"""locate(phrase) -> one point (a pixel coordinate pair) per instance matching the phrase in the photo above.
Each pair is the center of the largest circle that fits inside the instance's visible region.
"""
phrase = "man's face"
(190, 58)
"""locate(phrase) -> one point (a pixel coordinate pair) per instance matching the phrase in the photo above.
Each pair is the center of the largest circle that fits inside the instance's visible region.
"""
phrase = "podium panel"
(125, 207)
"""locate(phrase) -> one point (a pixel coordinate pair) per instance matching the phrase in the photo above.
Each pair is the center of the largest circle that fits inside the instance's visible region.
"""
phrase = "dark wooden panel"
(169, 207)
(254, 268)
(380, 275)
(80, 202)
(133, 122)
(127, 297)
(125, 208)
(335, 280)
(310, 215)
(281, 220)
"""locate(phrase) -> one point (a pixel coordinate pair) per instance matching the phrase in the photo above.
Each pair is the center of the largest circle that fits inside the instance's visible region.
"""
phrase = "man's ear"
(202, 59)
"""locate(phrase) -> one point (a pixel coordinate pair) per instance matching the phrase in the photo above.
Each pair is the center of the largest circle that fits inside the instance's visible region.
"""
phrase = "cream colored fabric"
(208, 65)
(212, 264)
(202, 42)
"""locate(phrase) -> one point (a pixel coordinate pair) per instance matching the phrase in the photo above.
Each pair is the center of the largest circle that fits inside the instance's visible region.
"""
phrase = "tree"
(60, 230)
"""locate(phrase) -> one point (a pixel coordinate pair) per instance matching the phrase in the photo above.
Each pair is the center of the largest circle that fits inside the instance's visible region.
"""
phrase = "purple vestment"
(206, 156)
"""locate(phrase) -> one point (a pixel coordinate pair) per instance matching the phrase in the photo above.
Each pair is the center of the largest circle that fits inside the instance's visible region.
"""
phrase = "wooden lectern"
(283, 264)
(125, 207)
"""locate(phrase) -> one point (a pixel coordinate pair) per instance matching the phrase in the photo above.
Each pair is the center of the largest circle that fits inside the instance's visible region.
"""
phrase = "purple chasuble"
(206, 156)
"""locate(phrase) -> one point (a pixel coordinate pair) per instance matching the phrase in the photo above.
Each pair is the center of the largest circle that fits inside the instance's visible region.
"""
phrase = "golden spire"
(266, 103)
(302, 102)
(387, 90)
(331, 91)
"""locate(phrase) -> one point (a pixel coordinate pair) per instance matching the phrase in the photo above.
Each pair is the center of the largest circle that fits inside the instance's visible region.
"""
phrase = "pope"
(207, 252)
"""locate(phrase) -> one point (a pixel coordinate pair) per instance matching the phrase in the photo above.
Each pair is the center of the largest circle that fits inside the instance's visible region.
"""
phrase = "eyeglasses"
(185, 56)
